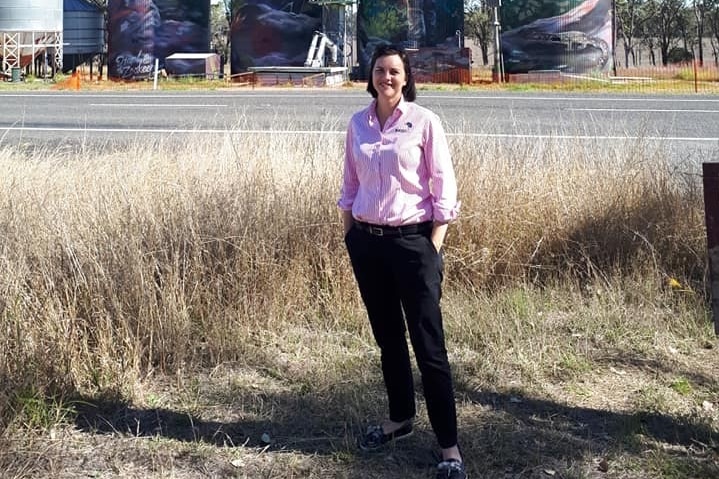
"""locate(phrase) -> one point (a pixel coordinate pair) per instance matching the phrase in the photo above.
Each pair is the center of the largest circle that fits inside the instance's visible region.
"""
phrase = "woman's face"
(389, 77)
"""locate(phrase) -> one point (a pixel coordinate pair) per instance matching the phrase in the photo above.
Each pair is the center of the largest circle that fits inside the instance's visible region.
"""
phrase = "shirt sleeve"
(350, 181)
(443, 183)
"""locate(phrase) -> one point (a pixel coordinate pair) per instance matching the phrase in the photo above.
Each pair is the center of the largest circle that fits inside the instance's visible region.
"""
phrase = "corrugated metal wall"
(84, 31)
(31, 15)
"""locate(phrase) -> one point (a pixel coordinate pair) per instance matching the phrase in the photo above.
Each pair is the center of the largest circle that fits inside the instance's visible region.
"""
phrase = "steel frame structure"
(15, 44)
(341, 38)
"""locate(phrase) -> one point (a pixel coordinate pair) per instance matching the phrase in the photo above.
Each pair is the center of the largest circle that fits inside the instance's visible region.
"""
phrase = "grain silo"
(430, 31)
(141, 32)
(83, 33)
(30, 29)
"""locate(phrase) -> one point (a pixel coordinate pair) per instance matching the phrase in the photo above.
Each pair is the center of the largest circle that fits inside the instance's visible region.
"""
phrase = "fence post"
(710, 178)
(157, 71)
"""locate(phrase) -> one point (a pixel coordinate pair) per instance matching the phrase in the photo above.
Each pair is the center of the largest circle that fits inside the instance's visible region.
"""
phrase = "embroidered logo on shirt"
(399, 129)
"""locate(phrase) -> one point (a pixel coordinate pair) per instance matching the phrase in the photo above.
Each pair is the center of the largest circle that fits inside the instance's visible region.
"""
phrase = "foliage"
(220, 20)
(478, 24)
(384, 19)
(679, 55)
(665, 24)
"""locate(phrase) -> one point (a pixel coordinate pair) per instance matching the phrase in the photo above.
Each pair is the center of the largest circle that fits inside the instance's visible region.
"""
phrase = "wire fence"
(688, 77)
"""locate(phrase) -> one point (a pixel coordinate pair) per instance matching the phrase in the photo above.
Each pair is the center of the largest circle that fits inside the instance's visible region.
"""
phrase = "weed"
(36, 411)
(681, 386)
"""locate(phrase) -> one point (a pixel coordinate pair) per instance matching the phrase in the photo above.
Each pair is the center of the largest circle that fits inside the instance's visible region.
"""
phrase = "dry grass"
(187, 310)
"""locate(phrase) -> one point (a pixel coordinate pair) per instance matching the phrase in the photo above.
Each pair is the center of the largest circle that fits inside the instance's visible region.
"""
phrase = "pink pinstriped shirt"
(400, 175)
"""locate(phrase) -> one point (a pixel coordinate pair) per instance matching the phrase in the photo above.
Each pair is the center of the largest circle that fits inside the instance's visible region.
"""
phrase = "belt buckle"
(376, 231)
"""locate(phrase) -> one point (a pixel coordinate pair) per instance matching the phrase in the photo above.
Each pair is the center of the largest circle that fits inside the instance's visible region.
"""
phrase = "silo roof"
(79, 6)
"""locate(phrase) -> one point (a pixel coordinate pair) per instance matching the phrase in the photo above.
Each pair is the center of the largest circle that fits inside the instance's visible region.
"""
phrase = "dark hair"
(409, 91)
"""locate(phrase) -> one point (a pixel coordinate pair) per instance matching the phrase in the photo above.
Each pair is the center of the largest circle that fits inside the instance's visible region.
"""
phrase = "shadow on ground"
(503, 435)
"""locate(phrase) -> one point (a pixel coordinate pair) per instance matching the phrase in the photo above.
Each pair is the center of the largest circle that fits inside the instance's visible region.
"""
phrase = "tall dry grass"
(172, 255)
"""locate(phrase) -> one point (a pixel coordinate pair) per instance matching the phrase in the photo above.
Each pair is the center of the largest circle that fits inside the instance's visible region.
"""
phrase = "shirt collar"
(400, 109)
(402, 106)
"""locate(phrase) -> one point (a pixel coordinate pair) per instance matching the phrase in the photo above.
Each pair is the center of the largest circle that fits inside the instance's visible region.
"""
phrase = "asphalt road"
(686, 125)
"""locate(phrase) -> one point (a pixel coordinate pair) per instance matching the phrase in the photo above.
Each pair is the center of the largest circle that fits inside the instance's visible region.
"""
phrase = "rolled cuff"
(446, 215)
(345, 204)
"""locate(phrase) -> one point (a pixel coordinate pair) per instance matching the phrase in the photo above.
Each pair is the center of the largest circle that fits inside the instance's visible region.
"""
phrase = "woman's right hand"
(347, 221)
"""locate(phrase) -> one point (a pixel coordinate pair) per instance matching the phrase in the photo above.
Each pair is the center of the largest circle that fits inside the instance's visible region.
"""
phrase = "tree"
(664, 24)
(685, 29)
(220, 19)
(712, 22)
(702, 8)
(631, 16)
(478, 25)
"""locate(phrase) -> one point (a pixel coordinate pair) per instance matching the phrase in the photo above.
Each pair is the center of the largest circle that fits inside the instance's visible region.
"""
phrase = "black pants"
(399, 279)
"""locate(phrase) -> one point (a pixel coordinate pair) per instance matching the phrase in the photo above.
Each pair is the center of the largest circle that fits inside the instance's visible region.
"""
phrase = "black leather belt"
(381, 230)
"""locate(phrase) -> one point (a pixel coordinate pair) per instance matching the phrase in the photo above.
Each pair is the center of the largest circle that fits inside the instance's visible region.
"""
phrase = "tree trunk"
(627, 49)
(664, 44)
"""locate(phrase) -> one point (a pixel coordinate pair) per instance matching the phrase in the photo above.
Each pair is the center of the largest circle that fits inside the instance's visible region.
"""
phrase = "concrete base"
(299, 76)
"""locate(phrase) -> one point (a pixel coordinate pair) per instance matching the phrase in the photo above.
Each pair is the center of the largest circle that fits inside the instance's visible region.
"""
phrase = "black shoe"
(451, 469)
(375, 437)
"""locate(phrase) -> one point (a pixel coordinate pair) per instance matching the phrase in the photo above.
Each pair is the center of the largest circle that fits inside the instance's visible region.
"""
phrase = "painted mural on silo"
(140, 31)
(572, 36)
(272, 32)
(431, 31)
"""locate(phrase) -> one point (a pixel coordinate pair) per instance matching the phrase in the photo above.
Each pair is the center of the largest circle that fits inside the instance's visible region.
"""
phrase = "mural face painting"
(272, 32)
(427, 28)
(279, 32)
(139, 31)
(572, 36)
(564, 35)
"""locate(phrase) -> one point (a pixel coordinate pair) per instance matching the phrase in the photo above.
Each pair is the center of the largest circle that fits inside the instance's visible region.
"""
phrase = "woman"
(398, 195)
